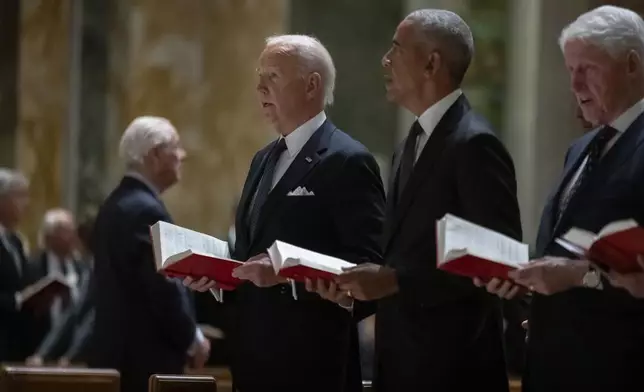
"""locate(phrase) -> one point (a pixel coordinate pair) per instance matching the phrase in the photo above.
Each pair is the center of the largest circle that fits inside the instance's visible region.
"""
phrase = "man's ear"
(313, 84)
(434, 63)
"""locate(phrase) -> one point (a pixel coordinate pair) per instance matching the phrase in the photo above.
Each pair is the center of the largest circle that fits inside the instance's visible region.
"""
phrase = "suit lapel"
(624, 148)
(303, 163)
(428, 158)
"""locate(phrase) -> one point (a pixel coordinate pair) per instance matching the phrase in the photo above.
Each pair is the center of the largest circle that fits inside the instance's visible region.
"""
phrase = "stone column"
(540, 110)
(194, 61)
(10, 33)
(43, 99)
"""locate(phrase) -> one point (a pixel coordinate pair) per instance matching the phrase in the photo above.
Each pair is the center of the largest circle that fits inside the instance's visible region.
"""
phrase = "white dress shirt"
(620, 124)
(295, 141)
(431, 117)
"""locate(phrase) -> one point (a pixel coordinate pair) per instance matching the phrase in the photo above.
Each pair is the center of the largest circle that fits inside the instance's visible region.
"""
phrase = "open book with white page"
(616, 246)
(298, 264)
(471, 250)
(181, 252)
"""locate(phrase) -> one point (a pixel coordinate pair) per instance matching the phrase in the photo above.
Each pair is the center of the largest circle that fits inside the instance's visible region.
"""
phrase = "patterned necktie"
(408, 157)
(595, 150)
(264, 186)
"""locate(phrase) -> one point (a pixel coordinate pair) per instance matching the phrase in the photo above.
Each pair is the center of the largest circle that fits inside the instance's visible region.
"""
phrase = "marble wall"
(42, 102)
(9, 31)
(193, 62)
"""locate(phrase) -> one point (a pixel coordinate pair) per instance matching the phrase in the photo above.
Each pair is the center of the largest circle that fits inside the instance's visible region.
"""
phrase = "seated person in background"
(58, 240)
(68, 339)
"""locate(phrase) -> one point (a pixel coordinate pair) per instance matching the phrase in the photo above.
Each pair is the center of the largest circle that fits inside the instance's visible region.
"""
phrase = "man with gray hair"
(314, 187)
(436, 331)
(144, 322)
(584, 333)
(14, 198)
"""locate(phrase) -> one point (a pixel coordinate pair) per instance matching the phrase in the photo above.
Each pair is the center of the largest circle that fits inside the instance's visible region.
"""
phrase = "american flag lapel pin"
(308, 159)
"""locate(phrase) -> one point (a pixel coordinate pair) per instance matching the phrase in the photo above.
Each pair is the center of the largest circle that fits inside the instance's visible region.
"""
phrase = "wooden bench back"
(182, 383)
(39, 379)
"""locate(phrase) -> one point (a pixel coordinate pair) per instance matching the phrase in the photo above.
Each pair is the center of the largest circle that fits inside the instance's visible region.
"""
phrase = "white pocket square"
(300, 191)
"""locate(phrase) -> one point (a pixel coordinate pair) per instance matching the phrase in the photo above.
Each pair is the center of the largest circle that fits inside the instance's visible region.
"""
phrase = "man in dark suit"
(57, 258)
(436, 331)
(69, 339)
(314, 187)
(144, 322)
(584, 333)
(14, 321)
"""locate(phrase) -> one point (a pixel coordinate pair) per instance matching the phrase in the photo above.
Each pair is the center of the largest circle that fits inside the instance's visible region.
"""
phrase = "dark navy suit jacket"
(308, 344)
(585, 339)
(144, 323)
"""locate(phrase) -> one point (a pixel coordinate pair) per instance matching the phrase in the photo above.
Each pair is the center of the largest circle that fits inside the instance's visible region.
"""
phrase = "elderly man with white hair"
(58, 257)
(586, 334)
(314, 187)
(144, 322)
(14, 198)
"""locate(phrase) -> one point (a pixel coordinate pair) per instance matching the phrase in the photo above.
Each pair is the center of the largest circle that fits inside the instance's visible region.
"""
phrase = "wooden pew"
(182, 383)
(38, 379)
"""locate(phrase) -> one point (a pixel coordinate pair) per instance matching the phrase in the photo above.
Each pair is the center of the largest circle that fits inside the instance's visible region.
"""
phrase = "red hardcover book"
(467, 249)
(615, 247)
(180, 252)
(297, 263)
(42, 293)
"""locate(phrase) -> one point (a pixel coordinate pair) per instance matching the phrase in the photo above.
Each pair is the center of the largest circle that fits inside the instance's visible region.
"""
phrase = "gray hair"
(52, 220)
(10, 180)
(313, 56)
(142, 135)
(451, 33)
(613, 29)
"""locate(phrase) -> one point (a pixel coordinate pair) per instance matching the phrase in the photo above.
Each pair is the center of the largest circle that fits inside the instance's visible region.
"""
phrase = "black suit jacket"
(144, 322)
(14, 323)
(42, 323)
(588, 339)
(307, 344)
(440, 332)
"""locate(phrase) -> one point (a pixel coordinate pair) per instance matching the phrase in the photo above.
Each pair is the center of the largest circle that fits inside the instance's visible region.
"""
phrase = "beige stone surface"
(194, 61)
(43, 99)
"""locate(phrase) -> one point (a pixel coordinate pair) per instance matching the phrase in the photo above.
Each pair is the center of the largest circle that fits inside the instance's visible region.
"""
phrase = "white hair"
(10, 180)
(313, 56)
(613, 29)
(52, 220)
(142, 135)
(451, 33)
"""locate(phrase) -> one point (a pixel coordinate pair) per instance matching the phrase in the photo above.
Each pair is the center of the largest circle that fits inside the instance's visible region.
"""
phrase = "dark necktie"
(595, 150)
(264, 186)
(15, 248)
(408, 157)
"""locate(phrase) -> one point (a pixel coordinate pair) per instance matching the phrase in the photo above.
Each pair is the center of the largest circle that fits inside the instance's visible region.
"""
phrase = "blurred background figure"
(67, 341)
(15, 322)
(57, 257)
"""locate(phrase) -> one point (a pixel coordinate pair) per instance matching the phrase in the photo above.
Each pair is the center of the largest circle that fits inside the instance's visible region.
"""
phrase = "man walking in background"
(144, 322)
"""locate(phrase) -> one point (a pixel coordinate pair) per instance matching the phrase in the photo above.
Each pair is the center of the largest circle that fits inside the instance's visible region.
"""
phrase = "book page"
(581, 238)
(616, 227)
(172, 239)
(293, 255)
(463, 237)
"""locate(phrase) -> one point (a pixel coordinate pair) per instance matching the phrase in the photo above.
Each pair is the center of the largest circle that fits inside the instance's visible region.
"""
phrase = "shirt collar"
(432, 116)
(627, 118)
(145, 181)
(296, 140)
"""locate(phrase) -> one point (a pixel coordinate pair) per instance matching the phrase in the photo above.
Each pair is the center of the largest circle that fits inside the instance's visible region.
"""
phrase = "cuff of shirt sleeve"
(18, 299)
